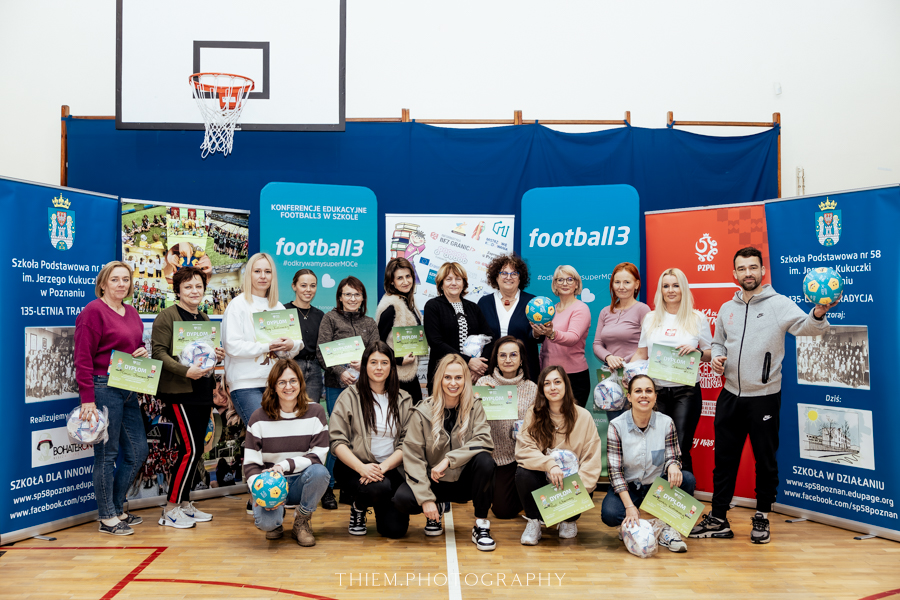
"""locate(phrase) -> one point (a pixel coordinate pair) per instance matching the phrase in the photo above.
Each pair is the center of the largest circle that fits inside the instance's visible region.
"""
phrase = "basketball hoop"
(220, 98)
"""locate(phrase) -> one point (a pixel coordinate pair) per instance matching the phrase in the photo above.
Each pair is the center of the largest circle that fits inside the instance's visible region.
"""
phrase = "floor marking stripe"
(882, 595)
(237, 585)
(453, 583)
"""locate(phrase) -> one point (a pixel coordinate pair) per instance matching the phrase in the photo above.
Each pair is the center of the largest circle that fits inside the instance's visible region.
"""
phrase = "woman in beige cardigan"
(367, 428)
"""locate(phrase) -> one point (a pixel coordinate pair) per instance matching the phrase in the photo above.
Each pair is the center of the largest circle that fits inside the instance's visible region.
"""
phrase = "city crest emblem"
(828, 223)
(62, 224)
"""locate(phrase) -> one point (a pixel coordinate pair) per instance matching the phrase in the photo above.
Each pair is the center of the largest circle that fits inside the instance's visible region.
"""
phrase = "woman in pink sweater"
(566, 335)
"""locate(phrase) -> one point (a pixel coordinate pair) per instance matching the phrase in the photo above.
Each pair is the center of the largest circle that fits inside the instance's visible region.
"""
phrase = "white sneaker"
(176, 518)
(568, 530)
(671, 539)
(195, 513)
(532, 534)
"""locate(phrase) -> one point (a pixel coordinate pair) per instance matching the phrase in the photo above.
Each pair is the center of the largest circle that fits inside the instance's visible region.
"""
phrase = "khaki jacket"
(346, 425)
(420, 455)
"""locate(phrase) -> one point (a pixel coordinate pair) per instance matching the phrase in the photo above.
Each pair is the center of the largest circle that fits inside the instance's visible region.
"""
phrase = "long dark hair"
(391, 387)
(270, 402)
(494, 362)
(542, 428)
(394, 265)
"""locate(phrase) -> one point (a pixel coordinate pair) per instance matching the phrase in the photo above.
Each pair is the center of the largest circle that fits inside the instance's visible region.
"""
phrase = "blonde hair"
(566, 270)
(466, 399)
(247, 283)
(687, 318)
(106, 271)
(444, 270)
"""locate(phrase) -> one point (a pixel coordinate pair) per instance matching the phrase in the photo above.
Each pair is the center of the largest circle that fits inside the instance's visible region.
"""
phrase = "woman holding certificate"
(346, 320)
(398, 309)
(106, 325)
(553, 425)
(310, 318)
(367, 428)
(508, 367)
(675, 324)
(642, 445)
(187, 396)
(446, 454)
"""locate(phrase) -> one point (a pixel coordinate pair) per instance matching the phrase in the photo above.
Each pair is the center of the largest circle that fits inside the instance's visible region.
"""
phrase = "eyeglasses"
(283, 384)
(352, 296)
(564, 280)
(510, 356)
(509, 274)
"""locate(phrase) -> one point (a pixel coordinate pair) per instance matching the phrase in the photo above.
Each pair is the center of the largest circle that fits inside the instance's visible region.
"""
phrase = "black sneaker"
(712, 527)
(329, 502)
(433, 527)
(249, 507)
(760, 532)
(357, 521)
(120, 528)
(481, 536)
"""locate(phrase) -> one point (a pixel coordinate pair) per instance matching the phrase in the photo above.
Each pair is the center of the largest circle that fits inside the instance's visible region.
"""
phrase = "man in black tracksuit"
(748, 348)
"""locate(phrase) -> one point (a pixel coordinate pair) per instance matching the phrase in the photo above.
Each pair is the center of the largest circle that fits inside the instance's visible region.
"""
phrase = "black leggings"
(475, 484)
(581, 387)
(683, 404)
(506, 503)
(378, 495)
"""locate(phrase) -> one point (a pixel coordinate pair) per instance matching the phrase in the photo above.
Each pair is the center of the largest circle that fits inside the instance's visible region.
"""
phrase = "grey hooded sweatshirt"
(751, 335)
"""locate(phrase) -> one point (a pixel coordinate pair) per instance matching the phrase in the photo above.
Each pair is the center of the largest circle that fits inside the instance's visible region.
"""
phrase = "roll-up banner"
(331, 229)
(63, 238)
(592, 228)
(702, 243)
(838, 454)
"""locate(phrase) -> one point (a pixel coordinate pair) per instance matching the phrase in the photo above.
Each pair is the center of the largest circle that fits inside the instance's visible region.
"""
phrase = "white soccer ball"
(640, 539)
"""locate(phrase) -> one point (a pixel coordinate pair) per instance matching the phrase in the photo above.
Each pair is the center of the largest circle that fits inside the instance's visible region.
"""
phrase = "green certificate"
(273, 324)
(341, 352)
(665, 364)
(558, 505)
(499, 403)
(185, 332)
(409, 339)
(139, 375)
(677, 508)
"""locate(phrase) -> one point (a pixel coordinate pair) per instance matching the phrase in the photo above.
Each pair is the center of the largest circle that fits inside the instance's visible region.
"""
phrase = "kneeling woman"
(367, 427)
(642, 445)
(288, 434)
(555, 422)
(449, 442)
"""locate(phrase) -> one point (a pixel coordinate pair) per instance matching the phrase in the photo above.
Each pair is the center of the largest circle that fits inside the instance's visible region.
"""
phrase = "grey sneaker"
(195, 513)
(671, 539)
(176, 518)
(120, 528)
(131, 519)
(568, 530)
(532, 534)
(712, 527)
(760, 532)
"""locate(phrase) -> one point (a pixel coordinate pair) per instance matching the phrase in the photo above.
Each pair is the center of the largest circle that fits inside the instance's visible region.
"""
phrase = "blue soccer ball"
(269, 490)
(540, 310)
(822, 285)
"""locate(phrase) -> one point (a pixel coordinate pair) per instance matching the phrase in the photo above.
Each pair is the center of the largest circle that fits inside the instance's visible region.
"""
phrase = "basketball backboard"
(293, 50)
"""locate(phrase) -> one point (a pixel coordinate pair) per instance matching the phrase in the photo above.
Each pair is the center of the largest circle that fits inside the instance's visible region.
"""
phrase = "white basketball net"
(220, 98)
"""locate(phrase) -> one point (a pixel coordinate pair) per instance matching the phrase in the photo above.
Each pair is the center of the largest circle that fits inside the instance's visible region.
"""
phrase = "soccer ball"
(822, 285)
(608, 395)
(565, 460)
(640, 539)
(540, 310)
(86, 432)
(269, 490)
(638, 367)
(198, 354)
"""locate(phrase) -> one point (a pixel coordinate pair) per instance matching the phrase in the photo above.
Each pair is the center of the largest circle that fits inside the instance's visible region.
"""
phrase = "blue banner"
(331, 229)
(592, 228)
(62, 239)
(838, 453)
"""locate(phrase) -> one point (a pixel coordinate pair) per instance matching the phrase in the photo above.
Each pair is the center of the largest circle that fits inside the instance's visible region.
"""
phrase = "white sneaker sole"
(358, 532)
(530, 542)
(434, 533)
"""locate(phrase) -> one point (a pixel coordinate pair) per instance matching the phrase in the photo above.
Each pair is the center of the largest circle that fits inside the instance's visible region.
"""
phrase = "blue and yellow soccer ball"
(822, 285)
(540, 310)
(269, 490)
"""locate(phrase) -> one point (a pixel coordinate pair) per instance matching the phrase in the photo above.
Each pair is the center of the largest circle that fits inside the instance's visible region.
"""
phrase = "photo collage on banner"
(702, 244)
(428, 241)
(838, 454)
(591, 228)
(158, 239)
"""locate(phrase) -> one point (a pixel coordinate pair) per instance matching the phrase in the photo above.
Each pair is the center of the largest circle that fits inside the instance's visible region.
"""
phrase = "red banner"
(702, 243)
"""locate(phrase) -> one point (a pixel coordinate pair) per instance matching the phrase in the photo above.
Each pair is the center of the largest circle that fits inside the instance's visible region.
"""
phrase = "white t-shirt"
(504, 315)
(382, 441)
(669, 334)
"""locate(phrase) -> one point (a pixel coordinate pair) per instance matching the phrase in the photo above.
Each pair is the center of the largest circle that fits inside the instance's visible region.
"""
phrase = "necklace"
(309, 310)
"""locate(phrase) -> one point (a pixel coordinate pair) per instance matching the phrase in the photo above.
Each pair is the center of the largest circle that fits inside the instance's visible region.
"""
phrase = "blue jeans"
(312, 375)
(126, 436)
(331, 396)
(304, 489)
(246, 401)
(612, 511)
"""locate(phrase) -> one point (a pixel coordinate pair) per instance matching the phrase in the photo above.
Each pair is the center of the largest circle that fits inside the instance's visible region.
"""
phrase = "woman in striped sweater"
(288, 434)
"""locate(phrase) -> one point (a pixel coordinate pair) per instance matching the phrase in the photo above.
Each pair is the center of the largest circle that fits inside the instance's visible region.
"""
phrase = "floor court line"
(453, 584)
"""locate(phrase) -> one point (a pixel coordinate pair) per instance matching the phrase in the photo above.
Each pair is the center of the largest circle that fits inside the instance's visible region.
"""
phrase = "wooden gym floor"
(229, 558)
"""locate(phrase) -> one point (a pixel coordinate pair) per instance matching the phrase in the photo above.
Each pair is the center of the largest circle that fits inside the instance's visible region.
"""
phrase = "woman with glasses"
(346, 320)
(508, 367)
(504, 310)
(398, 309)
(450, 319)
(567, 333)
